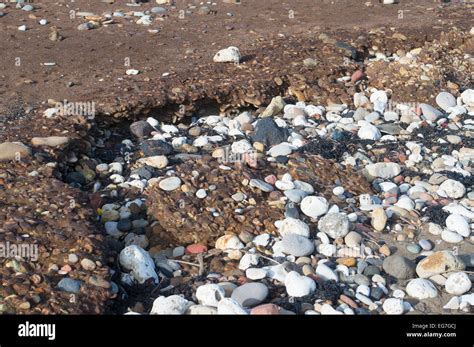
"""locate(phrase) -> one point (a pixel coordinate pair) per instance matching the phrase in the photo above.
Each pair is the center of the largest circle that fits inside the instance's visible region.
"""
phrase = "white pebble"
(326, 272)
(254, 273)
(393, 306)
(228, 55)
(458, 224)
(453, 189)
(230, 306)
(421, 288)
(293, 226)
(201, 193)
(458, 283)
(173, 304)
(314, 206)
(298, 286)
(139, 263)
(210, 294)
(451, 236)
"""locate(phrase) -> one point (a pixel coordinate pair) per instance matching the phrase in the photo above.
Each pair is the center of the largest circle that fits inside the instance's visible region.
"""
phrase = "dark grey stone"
(156, 147)
(269, 133)
(141, 129)
(399, 267)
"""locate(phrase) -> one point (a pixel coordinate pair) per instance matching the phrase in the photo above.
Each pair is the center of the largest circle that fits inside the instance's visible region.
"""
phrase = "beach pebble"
(170, 183)
(250, 294)
(241, 147)
(201, 310)
(326, 272)
(139, 263)
(269, 133)
(458, 224)
(293, 226)
(430, 113)
(298, 285)
(210, 294)
(425, 244)
(327, 309)
(201, 194)
(296, 245)
(458, 283)
(229, 241)
(467, 97)
(335, 225)
(88, 264)
(383, 170)
(50, 141)
(421, 288)
(451, 236)
(445, 100)
(230, 306)
(178, 251)
(157, 161)
(353, 239)
(70, 285)
(379, 218)
(282, 149)
(454, 189)
(228, 55)
(295, 195)
(393, 306)
(399, 267)
(314, 206)
(414, 248)
(13, 151)
(263, 186)
(328, 250)
(265, 309)
(369, 132)
(439, 263)
(255, 273)
(452, 304)
(379, 98)
(173, 304)
(238, 197)
(141, 129)
(248, 260)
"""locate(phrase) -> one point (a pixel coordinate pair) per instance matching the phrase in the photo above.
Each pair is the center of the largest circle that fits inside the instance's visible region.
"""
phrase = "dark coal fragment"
(348, 50)
(362, 311)
(376, 293)
(341, 135)
(76, 177)
(156, 147)
(124, 225)
(281, 159)
(145, 172)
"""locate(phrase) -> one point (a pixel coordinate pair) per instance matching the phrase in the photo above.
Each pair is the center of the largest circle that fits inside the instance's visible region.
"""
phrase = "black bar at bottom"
(412, 330)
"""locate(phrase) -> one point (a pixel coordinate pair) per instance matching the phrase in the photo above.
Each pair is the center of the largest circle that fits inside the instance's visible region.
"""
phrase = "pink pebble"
(271, 179)
(265, 309)
(196, 248)
(66, 269)
(357, 76)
